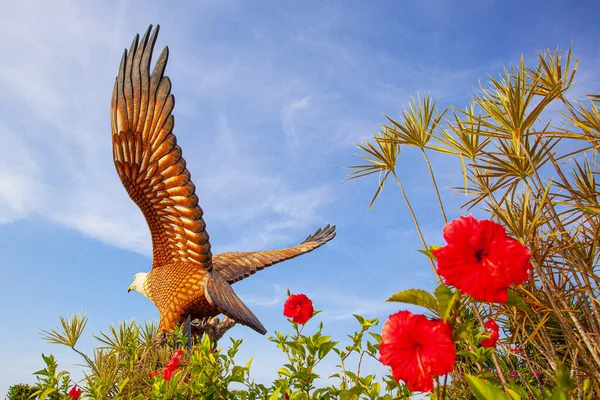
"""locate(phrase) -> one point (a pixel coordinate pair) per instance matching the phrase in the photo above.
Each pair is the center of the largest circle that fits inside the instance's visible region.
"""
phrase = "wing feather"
(239, 265)
(149, 161)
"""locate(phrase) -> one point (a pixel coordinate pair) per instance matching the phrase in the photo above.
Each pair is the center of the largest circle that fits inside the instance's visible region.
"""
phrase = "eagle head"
(139, 284)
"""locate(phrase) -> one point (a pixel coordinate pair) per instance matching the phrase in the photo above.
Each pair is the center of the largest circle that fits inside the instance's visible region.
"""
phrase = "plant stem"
(414, 218)
(435, 186)
(358, 368)
(87, 359)
(445, 385)
(344, 384)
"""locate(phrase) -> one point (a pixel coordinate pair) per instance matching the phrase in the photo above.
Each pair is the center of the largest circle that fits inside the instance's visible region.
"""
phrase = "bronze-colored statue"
(186, 280)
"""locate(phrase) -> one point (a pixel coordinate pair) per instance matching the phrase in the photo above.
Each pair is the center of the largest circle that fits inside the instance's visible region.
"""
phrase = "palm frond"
(70, 331)
(417, 123)
(381, 155)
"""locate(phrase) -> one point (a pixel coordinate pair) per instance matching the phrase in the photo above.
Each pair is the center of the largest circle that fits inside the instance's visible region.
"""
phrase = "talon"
(161, 339)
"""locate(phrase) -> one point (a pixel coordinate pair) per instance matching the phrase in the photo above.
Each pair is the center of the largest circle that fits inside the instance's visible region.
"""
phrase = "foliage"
(130, 359)
(52, 384)
(20, 392)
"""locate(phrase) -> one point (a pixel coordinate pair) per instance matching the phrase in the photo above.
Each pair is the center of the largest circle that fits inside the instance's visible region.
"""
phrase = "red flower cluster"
(492, 328)
(481, 260)
(172, 365)
(74, 393)
(417, 349)
(299, 308)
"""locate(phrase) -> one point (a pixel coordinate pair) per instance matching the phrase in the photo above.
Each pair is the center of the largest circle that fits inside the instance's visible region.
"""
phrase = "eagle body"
(186, 278)
(178, 291)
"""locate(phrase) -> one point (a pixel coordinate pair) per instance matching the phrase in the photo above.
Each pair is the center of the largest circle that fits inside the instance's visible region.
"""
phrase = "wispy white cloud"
(20, 191)
(244, 192)
(289, 113)
(74, 182)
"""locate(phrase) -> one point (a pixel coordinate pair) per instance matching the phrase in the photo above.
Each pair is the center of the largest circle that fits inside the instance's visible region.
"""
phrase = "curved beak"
(130, 288)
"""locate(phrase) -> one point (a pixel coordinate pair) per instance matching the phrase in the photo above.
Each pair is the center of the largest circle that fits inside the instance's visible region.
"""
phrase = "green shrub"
(130, 364)
(20, 392)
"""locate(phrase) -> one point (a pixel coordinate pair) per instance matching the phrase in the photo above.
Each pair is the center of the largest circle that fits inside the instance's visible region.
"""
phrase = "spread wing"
(239, 265)
(149, 161)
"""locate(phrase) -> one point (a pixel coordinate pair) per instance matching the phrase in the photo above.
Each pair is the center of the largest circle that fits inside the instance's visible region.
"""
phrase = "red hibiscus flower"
(175, 361)
(173, 365)
(299, 308)
(417, 349)
(492, 328)
(481, 260)
(74, 393)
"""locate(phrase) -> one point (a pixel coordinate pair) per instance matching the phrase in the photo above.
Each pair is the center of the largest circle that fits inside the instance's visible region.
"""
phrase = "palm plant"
(538, 178)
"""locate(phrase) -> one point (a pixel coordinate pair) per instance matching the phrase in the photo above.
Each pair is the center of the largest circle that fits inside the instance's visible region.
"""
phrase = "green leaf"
(446, 299)
(516, 391)
(348, 394)
(586, 385)
(484, 390)
(417, 297)
(61, 374)
(468, 354)
(516, 301)
(46, 393)
(564, 383)
(512, 394)
(359, 318)
(122, 384)
(535, 392)
(376, 336)
(325, 348)
(372, 349)
(275, 395)
(429, 251)
(462, 331)
(376, 388)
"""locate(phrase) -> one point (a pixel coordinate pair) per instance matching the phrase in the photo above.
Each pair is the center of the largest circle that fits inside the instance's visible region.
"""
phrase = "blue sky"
(271, 99)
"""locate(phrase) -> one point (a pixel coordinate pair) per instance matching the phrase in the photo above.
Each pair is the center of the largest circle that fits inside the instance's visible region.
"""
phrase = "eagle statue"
(186, 280)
